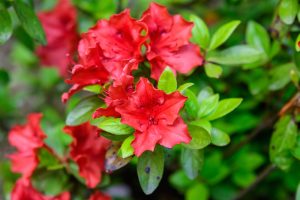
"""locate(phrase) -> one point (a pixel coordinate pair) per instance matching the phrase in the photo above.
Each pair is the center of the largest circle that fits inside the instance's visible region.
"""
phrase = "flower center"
(152, 121)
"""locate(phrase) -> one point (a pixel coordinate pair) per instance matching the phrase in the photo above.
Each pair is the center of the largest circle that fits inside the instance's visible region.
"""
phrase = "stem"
(259, 178)
(263, 125)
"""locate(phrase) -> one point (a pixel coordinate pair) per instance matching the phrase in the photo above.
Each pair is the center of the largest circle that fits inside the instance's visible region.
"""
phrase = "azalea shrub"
(146, 99)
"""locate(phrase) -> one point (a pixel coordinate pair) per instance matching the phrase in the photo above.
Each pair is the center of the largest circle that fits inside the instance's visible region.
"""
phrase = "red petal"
(99, 196)
(173, 134)
(88, 151)
(146, 140)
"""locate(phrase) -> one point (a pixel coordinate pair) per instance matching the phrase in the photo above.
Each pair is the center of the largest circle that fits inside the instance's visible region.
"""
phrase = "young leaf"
(126, 149)
(200, 32)
(183, 87)
(213, 70)
(258, 37)
(112, 125)
(191, 105)
(191, 161)
(29, 21)
(288, 10)
(150, 169)
(167, 81)
(200, 137)
(97, 89)
(219, 138)
(236, 55)
(283, 141)
(5, 24)
(83, 110)
(203, 123)
(224, 107)
(222, 34)
(208, 105)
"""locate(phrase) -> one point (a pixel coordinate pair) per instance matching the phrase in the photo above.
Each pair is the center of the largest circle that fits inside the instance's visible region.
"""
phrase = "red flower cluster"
(60, 27)
(87, 150)
(113, 47)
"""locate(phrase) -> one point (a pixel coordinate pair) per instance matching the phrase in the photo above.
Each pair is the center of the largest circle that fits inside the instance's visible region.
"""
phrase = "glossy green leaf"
(185, 86)
(5, 24)
(29, 21)
(126, 149)
(83, 110)
(222, 34)
(97, 89)
(198, 191)
(114, 137)
(200, 138)
(224, 107)
(191, 105)
(112, 125)
(208, 105)
(167, 81)
(213, 70)
(191, 161)
(200, 32)
(202, 123)
(150, 169)
(280, 76)
(236, 55)
(204, 94)
(219, 138)
(283, 141)
(288, 10)
(258, 37)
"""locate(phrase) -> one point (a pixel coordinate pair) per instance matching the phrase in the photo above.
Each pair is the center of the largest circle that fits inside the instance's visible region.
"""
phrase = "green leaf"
(297, 43)
(4, 77)
(198, 191)
(288, 10)
(29, 21)
(200, 32)
(191, 161)
(203, 123)
(150, 169)
(126, 149)
(224, 107)
(208, 105)
(236, 55)
(243, 178)
(283, 141)
(298, 192)
(167, 81)
(258, 37)
(5, 24)
(204, 93)
(200, 137)
(213, 70)
(222, 34)
(180, 181)
(83, 110)
(219, 138)
(280, 76)
(112, 125)
(191, 105)
(114, 137)
(183, 87)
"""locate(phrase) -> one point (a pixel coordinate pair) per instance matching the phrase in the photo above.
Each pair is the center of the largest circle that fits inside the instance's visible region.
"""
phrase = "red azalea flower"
(106, 50)
(60, 27)
(169, 42)
(117, 95)
(99, 196)
(27, 139)
(154, 115)
(24, 191)
(88, 151)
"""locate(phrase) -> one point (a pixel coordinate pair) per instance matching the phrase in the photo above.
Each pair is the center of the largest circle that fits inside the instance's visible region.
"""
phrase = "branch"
(259, 178)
